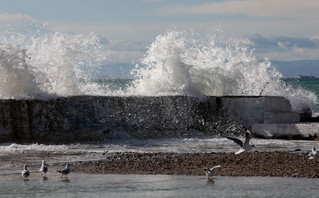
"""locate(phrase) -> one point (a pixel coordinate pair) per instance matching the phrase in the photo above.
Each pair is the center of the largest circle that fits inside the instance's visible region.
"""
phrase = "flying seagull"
(210, 173)
(244, 146)
(25, 173)
(65, 171)
(44, 168)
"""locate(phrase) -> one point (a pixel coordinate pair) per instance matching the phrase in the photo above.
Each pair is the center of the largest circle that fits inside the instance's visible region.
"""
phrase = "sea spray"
(17, 81)
(183, 63)
(36, 62)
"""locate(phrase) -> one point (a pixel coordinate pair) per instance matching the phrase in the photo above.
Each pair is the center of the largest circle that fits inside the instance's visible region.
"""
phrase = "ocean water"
(83, 185)
(311, 84)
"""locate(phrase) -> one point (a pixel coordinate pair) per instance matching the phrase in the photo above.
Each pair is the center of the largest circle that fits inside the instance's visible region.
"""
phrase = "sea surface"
(311, 84)
(84, 185)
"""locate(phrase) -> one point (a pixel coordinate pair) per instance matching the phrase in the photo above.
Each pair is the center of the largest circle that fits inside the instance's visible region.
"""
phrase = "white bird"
(44, 168)
(210, 173)
(313, 153)
(244, 146)
(25, 173)
(65, 171)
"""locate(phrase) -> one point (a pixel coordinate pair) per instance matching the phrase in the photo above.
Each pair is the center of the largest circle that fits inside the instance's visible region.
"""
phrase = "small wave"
(30, 147)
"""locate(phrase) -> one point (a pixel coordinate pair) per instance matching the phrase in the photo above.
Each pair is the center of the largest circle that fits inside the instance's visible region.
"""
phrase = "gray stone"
(281, 117)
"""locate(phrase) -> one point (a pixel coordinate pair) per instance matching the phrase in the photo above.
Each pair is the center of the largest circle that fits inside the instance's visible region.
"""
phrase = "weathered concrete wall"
(287, 131)
(252, 110)
(89, 118)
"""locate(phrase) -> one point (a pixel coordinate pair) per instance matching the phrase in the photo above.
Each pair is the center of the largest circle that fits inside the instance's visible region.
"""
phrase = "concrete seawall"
(92, 118)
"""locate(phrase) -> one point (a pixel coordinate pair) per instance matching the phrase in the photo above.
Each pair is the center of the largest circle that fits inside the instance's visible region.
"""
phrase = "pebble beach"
(279, 164)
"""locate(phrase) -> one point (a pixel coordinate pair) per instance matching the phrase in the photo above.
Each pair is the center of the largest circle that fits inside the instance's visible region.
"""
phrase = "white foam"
(187, 145)
(37, 62)
(179, 63)
(197, 145)
(30, 147)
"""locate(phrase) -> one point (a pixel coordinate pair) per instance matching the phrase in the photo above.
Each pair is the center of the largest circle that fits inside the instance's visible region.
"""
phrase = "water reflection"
(90, 185)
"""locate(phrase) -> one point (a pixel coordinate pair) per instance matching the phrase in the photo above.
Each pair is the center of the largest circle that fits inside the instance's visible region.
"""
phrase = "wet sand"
(280, 164)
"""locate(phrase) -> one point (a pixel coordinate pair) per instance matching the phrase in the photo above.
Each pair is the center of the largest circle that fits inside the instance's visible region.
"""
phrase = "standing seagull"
(313, 153)
(65, 171)
(210, 173)
(244, 146)
(25, 173)
(44, 168)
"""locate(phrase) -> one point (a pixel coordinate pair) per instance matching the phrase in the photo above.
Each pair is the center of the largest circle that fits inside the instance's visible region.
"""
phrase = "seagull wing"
(240, 151)
(248, 137)
(314, 151)
(218, 166)
(44, 169)
(237, 141)
(25, 173)
(65, 171)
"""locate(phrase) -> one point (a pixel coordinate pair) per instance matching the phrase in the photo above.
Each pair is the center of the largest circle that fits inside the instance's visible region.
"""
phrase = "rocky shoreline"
(279, 164)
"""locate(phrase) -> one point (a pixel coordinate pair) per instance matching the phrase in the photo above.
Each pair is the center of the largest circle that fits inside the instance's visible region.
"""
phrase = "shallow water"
(84, 185)
(13, 156)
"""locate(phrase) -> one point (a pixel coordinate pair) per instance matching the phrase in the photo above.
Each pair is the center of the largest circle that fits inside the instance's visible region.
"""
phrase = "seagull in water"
(210, 173)
(244, 146)
(65, 171)
(25, 173)
(44, 168)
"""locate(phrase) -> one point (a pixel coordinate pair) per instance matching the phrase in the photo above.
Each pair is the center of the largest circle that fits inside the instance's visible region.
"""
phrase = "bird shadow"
(65, 179)
(210, 182)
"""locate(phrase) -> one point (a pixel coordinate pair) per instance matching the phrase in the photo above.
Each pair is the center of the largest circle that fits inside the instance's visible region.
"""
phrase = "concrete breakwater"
(93, 118)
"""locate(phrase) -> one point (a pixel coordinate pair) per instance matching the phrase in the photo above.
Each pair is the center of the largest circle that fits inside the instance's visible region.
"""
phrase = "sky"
(280, 30)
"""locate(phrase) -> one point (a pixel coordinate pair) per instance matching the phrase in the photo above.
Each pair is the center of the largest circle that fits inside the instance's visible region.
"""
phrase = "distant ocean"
(311, 84)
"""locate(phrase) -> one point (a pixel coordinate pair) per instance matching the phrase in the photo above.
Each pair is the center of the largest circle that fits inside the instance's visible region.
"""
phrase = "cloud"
(9, 19)
(283, 42)
(285, 48)
(254, 8)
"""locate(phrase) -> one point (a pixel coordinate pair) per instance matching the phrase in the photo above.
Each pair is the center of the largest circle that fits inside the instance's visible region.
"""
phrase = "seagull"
(313, 153)
(65, 171)
(244, 146)
(25, 173)
(44, 168)
(210, 173)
